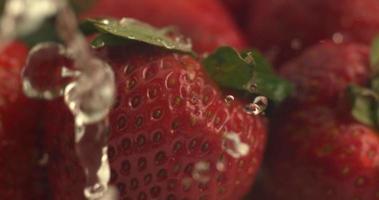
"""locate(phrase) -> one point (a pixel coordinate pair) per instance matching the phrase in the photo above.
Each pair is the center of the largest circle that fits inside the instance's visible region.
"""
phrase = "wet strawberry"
(172, 134)
(18, 129)
(319, 149)
(282, 28)
(206, 22)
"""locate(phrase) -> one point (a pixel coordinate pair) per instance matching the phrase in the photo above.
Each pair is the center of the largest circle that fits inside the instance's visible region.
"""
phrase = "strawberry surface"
(206, 22)
(318, 150)
(168, 132)
(322, 73)
(283, 28)
(18, 130)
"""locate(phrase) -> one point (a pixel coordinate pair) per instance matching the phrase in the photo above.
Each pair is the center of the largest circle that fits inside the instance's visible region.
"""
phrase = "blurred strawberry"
(282, 28)
(322, 145)
(18, 130)
(238, 9)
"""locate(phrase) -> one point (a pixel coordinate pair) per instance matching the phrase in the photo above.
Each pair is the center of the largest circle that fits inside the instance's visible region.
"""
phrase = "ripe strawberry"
(18, 129)
(206, 22)
(239, 9)
(322, 73)
(168, 134)
(282, 28)
(318, 149)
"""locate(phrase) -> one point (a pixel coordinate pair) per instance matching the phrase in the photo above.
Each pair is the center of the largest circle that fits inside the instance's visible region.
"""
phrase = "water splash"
(21, 17)
(233, 145)
(87, 84)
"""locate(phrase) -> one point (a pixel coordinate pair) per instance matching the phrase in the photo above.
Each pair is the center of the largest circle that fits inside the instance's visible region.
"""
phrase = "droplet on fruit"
(47, 71)
(252, 88)
(233, 145)
(229, 99)
(296, 44)
(258, 106)
(338, 38)
(201, 172)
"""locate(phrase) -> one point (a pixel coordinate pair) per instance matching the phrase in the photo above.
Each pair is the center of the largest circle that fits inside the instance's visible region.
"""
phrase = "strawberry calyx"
(245, 73)
(365, 100)
(248, 72)
(114, 32)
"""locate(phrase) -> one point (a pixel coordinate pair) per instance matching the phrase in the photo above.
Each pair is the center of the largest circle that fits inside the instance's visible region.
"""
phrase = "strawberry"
(18, 129)
(282, 28)
(206, 22)
(238, 9)
(320, 146)
(173, 134)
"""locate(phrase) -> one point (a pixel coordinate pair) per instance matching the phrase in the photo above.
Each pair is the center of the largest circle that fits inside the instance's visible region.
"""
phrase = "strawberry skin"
(18, 129)
(206, 22)
(319, 154)
(168, 120)
(322, 73)
(317, 150)
(282, 28)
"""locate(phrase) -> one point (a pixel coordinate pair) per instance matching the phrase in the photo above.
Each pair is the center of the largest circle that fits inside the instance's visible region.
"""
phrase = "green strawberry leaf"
(248, 72)
(374, 55)
(365, 105)
(107, 39)
(132, 29)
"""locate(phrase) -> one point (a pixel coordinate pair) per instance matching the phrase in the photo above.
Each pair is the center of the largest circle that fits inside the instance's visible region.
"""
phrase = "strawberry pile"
(215, 99)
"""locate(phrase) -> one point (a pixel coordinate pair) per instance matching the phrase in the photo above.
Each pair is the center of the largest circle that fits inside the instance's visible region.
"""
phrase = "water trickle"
(233, 145)
(86, 83)
(258, 106)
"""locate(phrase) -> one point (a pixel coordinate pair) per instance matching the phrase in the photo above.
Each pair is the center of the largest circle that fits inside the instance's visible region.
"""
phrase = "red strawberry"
(322, 73)
(282, 28)
(318, 150)
(18, 129)
(167, 132)
(239, 9)
(206, 22)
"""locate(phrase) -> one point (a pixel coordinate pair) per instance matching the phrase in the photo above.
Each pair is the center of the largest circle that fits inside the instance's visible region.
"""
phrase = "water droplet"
(338, 38)
(47, 71)
(249, 59)
(105, 21)
(201, 172)
(87, 104)
(258, 106)
(296, 44)
(229, 99)
(233, 145)
(251, 86)
(44, 159)
(220, 166)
